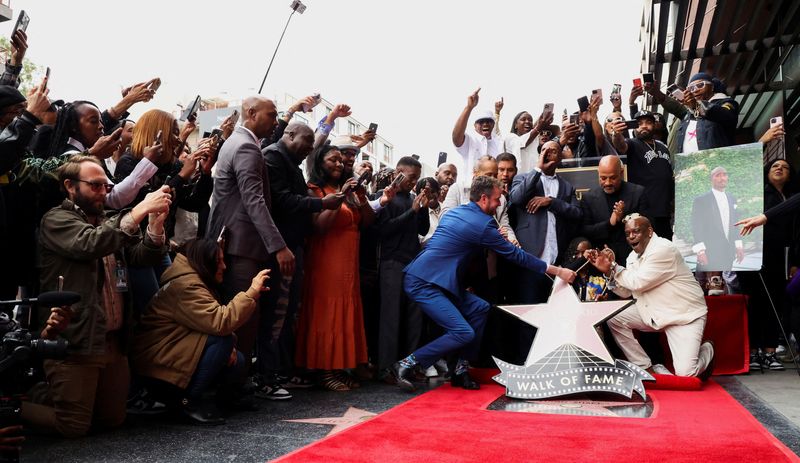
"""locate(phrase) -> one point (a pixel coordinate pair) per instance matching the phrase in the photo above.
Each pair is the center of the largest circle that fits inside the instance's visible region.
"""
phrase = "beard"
(89, 207)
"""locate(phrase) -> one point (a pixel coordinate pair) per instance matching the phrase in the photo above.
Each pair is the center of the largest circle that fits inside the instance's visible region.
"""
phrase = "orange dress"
(330, 331)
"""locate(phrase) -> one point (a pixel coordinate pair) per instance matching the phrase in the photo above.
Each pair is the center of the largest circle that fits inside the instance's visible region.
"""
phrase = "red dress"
(330, 332)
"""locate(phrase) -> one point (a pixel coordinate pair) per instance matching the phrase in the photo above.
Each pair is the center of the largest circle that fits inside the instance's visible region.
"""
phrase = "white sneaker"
(431, 372)
(661, 369)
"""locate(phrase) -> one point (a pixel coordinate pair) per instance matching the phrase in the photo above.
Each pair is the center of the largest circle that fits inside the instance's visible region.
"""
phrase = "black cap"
(644, 113)
(10, 96)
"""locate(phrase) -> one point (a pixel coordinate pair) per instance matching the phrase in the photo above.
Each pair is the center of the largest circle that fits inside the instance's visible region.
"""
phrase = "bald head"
(298, 138)
(486, 166)
(259, 115)
(446, 174)
(609, 173)
(638, 232)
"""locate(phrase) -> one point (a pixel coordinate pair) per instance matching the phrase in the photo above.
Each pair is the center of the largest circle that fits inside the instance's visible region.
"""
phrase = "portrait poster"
(714, 189)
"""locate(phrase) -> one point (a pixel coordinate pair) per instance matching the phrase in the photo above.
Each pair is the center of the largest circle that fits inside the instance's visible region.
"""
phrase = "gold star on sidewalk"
(350, 418)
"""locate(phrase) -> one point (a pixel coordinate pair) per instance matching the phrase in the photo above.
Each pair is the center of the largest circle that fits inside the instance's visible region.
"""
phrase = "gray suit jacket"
(241, 200)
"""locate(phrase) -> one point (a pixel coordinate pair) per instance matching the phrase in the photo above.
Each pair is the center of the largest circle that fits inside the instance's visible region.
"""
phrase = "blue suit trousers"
(463, 318)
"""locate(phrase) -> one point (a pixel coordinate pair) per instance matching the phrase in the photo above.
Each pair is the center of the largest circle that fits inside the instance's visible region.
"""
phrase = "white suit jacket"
(665, 289)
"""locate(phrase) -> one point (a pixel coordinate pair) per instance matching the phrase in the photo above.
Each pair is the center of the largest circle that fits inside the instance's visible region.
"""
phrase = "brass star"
(350, 418)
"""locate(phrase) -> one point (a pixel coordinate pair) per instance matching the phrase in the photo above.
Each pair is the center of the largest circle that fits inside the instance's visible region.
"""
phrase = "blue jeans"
(463, 318)
(213, 366)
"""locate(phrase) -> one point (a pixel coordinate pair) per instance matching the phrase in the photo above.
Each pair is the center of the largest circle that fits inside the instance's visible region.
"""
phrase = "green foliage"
(31, 73)
(744, 164)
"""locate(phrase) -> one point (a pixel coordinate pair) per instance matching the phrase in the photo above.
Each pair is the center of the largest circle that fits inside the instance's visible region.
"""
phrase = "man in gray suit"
(241, 202)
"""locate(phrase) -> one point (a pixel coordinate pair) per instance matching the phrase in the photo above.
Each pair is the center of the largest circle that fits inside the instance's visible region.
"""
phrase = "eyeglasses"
(615, 119)
(96, 186)
(698, 85)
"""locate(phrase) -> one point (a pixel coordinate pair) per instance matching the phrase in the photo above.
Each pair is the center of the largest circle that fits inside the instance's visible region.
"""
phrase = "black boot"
(403, 376)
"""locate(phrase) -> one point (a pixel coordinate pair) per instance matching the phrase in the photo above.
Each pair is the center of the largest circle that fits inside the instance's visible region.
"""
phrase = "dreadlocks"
(66, 126)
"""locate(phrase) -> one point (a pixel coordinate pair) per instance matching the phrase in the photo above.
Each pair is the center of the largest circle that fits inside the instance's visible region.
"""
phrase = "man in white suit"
(668, 299)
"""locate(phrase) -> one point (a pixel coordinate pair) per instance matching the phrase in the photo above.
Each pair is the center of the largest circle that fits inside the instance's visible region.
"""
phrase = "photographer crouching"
(186, 336)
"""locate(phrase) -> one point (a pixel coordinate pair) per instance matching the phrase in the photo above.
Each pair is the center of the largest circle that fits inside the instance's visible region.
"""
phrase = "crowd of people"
(263, 258)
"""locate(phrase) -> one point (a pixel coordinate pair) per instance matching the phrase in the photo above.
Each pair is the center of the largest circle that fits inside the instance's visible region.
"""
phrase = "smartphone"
(637, 82)
(442, 158)
(398, 179)
(632, 124)
(46, 78)
(617, 88)
(373, 127)
(573, 119)
(192, 109)
(235, 116)
(597, 93)
(675, 92)
(363, 179)
(22, 22)
(154, 84)
(647, 77)
(548, 109)
(583, 103)
(221, 237)
(317, 98)
(158, 137)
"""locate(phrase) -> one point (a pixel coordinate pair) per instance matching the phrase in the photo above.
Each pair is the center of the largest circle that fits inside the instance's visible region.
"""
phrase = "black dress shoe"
(205, 414)
(403, 376)
(464, 380)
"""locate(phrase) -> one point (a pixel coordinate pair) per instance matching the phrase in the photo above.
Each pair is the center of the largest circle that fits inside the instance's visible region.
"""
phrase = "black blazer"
(707, 229)
(596, 213)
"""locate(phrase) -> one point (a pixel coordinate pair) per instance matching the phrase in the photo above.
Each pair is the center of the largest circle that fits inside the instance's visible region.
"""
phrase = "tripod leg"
(778, 317)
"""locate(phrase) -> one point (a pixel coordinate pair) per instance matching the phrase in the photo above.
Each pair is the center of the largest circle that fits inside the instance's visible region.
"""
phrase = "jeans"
(214, 366)
(463, 319)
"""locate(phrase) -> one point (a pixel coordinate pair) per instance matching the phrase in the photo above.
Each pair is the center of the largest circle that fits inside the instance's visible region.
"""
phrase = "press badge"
(121, 274)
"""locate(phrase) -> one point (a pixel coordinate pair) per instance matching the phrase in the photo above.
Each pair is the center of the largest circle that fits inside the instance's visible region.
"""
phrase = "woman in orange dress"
(330, 333)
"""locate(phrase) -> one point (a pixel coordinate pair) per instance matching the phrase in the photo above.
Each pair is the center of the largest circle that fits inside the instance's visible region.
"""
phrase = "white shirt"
(550, 251)
(433, 217)
(476, 145)
(111, 164)
(724, 210)
(690, 140)
(527, 156)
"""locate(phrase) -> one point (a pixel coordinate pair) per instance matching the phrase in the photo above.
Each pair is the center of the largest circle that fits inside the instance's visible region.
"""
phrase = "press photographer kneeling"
(186, 336)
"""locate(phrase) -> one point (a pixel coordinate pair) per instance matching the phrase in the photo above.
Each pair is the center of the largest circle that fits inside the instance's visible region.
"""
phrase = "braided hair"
(66, 126)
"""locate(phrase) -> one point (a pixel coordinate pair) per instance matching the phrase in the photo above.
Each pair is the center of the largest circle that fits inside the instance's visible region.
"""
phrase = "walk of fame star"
(564, 319)
(351, 417)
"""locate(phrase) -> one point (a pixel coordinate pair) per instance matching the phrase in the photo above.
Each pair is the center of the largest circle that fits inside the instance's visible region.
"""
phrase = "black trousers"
(400, 324)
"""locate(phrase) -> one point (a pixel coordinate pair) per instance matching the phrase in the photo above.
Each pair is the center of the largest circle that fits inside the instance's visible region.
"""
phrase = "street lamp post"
(297, 7)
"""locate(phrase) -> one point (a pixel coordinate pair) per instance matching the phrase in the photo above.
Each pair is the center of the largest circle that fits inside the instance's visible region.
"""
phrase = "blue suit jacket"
(531, 229)
(463, 232)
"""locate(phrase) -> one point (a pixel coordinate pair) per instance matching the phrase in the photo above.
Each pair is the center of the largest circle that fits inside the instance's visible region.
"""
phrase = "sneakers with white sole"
(661, 370)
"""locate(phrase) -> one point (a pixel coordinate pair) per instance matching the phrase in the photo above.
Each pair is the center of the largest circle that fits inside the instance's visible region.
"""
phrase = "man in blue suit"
(434, 281)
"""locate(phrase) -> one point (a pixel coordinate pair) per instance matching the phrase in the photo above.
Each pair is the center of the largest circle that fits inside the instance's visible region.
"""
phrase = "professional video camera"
(18, 349)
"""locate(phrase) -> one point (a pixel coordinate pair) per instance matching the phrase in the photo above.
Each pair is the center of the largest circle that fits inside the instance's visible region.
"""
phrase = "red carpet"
(452, 425)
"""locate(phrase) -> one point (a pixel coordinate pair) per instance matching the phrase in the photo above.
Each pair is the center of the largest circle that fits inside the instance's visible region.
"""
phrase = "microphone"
(49, 299)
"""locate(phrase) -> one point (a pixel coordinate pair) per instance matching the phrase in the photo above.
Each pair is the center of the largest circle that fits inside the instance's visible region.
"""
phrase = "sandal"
(345, 377)
(331, 381)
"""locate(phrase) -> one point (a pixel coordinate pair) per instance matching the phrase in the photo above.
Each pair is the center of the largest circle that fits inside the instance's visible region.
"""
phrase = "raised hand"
(106, 145)
(19, 45)
(258, 284)
(472, 100)
(498, 106)
(341, 110)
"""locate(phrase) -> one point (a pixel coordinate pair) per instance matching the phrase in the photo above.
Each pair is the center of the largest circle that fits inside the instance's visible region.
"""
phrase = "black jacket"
(292, 207)
(596, 212)
(398, 228)
(717, 128)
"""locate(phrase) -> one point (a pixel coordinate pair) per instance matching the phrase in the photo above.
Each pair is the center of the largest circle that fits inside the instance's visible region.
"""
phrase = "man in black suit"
(241, 202)
(605, 206)
(292, 208)
(713, 230)
(545, 206)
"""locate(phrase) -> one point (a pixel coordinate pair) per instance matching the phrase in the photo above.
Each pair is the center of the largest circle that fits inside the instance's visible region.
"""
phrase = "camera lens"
(50, 349)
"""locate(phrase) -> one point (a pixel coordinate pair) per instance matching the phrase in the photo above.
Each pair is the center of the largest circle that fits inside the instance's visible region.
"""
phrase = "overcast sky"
(407, 66)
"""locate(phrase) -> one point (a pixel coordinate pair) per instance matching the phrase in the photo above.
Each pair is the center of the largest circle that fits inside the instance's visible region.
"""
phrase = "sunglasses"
(97, 186)
(698, 85)
(615, 119)
(546, 133)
